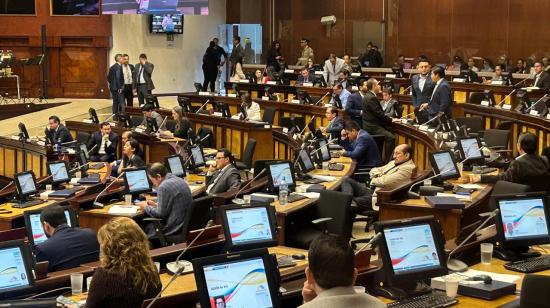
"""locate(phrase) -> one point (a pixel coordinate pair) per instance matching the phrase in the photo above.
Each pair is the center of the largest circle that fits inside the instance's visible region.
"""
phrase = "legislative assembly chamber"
(274, 153)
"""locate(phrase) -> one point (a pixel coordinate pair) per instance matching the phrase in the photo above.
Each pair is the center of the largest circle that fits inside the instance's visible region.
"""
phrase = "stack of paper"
(123, 210)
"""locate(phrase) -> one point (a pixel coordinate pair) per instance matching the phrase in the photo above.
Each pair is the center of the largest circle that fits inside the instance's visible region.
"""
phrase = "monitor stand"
(402, 290)
(515, 254)
(445, 184)
(194, 171)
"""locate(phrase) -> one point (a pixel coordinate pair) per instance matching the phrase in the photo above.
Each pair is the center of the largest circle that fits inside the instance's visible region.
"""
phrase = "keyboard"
(431, 300)
(28, 204)
(65, 193)
(485, 170)
(530, 265)
(335, 167)
(293, 197)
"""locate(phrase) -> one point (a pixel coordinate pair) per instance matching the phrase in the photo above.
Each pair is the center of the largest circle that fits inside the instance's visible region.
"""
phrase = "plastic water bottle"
(283, 193)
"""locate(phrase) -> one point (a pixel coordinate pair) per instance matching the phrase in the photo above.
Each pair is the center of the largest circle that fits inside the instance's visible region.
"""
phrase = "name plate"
(295, 101)
(272, 82)
(507, 106)
(244, 81)
(285, 130)
(461, 80)
(69, 150)
(139, 130)
(355, 88)
(14, 137)
(307, 84)
(423, 128)
(548, 116)
(319, 72)
(356, 74)
(42, 143)
(445, 136)
(431, 130)
(485, 103)
(392, 76)
(497, 82)
(113, 124)
(289, 71)
(265, 98)
(267, 126)
(87, 121)
(218, 114)
(534, 113)
(202, 93)
(404, 121)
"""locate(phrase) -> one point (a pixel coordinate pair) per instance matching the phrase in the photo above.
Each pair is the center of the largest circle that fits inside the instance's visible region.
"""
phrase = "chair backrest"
(497, 138)
(336, 205)
(201, 213)
(249, 152)
(505, 125)
(534, 291)
(13, 234)
(475, 124)
(399, 108)
(209, 141)
(82, 137)
(506, 188)
(546, 153)
(287, 122)
(269, 115)
(476, 97)
(170, 125)
(136, 120)
(380, 141)
(538, 182)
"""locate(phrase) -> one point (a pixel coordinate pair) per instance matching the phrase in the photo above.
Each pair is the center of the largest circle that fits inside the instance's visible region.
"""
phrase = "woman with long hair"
(127, 275)
(182, 125)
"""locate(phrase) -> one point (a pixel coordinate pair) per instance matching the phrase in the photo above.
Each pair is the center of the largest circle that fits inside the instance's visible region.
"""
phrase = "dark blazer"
(373, 115)
(61, 135)
(115, 78)
(311, 78)
(544, 81)
(271, 59)
(354, 105)
(363, 150)
(520, 169)
(67, 248)
(211, 59)
(442, 100)
(334, 128)
(230, 180)
(236, 53)
(134, 162)
(148, 68)
(96, 138)
(181, 129)
(420, 97)
(391, 108)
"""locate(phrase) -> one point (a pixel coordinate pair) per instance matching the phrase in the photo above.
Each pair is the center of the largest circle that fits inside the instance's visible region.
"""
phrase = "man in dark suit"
(223, 176)
(526, 165)
(236, 53)
(335, 124)
(359, 145)
(441, 100)
(116, 84)
(143, 82)
(305, 77)
(128, 71)
(422, 84)
(57, 131)
(542, 77)
(354, 107)
(105, 143)
(375, 121)
(66, 247)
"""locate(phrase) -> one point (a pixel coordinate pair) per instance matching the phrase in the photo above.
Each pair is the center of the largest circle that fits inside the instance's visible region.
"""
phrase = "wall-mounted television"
(166, 23)
(158, 7)
(74, 7)
(17, 7)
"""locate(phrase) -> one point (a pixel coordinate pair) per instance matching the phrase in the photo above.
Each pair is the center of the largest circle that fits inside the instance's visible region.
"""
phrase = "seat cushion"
(303, 237)
(240, 165)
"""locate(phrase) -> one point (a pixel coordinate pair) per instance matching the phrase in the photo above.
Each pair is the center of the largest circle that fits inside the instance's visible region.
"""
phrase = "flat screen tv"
(166, 23)
(74, 7)
(17, 7)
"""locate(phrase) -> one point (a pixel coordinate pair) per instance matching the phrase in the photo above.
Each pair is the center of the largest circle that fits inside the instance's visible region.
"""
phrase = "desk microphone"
(310, 120)
(322, 97)
(162, 124)
(517, 84)
(456, 265)
(535, 103)
(435, 118)
(93, 148)
(407, 115)
(325, 146)
(176, 268)
(504, 99)
(110, 117)
(407, 88)
(241, 201)
(371, 243)
(9, 184)
(414, 195)
(101, 205)
(198, 110)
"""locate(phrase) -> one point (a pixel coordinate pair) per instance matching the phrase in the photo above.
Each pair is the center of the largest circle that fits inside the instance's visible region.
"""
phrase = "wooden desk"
(421, 142)
(7, 220)
(288, 91)
(16, 156)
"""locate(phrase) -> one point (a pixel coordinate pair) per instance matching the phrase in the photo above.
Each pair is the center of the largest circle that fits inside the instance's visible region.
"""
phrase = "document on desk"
(439, 282)
(123, 210)
(459, 197)
(326, 178)
(310, 195)
(194, 187)
(471, 186)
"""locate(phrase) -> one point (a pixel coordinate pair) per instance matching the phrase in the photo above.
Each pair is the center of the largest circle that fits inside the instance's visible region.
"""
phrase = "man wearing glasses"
(222, 176)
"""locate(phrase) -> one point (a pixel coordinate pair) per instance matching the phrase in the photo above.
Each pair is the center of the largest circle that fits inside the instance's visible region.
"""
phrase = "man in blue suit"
(360, 146)
(354, 107)
(441, 100)
(116, 84)
(305, 77)
(422, 84)
(66, 247)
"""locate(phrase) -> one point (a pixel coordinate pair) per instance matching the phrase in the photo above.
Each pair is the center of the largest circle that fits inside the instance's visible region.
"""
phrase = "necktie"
(140, 73)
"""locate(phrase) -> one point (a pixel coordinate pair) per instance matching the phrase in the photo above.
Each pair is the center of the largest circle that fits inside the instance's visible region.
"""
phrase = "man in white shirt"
(103, 144)
(143, 82)
(332, 68)
(128, 73)
(339, 96)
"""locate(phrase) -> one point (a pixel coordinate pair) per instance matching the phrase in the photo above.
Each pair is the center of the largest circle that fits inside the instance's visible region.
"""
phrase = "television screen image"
(17, 7)
(281, 173)
(249, 225)
(185, 7)
(523, 218)
(38, 233)
(74, 7)
(26, 180)
(167, 23)
(12, 271)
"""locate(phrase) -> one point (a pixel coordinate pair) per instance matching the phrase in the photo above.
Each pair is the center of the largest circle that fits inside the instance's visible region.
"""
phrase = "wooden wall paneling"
(529, 35)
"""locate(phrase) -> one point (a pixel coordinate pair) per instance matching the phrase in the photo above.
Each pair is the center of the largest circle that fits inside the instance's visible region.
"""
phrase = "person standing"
(375, 121)
(332, 69)
(307, 53)
(128, 73)
(274, 56)
(221, 52)
(237, 54)
(143, 82)
(116, 84)
(210, 66)
(422, 85)
(441, 100)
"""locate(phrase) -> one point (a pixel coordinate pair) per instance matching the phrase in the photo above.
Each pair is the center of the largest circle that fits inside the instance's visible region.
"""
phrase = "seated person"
(174, 201)
(149, 112)
(343, 79)
(497, 77)
(527, 164)
(339, 92)
(130, 159)
(223, 176)
(103, 144)
(66, 247)
(127, 135)
(237, 73)
(251, 107)
(335, 124)
(127, 275)
(58, 131)
(261, 78)
(359, 145)
(389, 103)
(182, 126)
(389, 176)
(305, 77)
(331, 274)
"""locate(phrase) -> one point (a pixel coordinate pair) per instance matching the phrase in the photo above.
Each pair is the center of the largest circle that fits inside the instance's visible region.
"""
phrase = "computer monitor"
(23, 133)
(93, 115)
(26, 184)
(59, 172)
(323, 152)
(244, 279)
(306, 164)
(185, 103)
(523, 220)
(33, 225)
(197, 157)
(279, 173)
(152, 125)
(84, 149)
(137, 181)
(470, 150)
(398, 71)
(444, 164)
(48, 136)
(176, 165)
(224, 109)
(249, 226)
(304, 97)
(16, 270)
(411, 250)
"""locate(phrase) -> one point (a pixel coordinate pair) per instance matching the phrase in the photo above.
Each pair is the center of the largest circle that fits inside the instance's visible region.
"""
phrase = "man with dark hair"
(375, 121)
(331, 274)
(333, 67)
(116, 84)
(66, 247)
(340, 96)
(354, 106)
(542, 77)
(526, 165)
(359, 145)
(422, 85)
(58, 132)
(103, 144)
(149, 112)
(128, 71)
(173, 204)
(223, 176)
(306, 54)
(335, 124)
(441, 100)
(305, 77)
(143, 82)
(237, 53)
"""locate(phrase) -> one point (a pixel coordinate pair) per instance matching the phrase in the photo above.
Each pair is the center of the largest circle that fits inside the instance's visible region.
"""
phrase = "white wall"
(178, 63)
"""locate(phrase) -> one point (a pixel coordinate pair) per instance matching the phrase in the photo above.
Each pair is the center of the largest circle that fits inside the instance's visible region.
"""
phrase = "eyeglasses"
(219, 157)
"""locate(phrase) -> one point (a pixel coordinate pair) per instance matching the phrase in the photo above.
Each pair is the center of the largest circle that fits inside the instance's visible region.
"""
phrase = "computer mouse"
(485, 278)
(298, 256)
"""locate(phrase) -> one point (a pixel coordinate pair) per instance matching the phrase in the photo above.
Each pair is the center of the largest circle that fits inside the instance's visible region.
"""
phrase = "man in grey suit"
(236, 53)
(223, 176)
(331, 275)
(332, 69)
(335, 124)
(143, 82)
(422, 84)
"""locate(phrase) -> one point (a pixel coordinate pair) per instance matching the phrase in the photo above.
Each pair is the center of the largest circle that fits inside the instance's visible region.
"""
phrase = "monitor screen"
(175, 165)
(19, 7)
(137, 181)
(523, 220)
(249, 226)
(444, 165)
(469, 149)
(58, 171)
(280, 173)
(323, 150)
(167, 23)
(186, 7)
(197, 156)
(75, 7)
(14, 273)
(35, 231)
(26, 183)
(305, 161)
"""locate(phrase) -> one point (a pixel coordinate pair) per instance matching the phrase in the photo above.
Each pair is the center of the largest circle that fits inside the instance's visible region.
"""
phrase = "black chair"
(474, 124)
(497, 139)
(476, 97)
(269, 115)
(546, 153)
(539, 182)
(289, 122)
(170, 125)
(246, 161)
(203, 212)
(534, 291)
(505, 125)
(82, 137)
(333, 216)
(208, 142)
(136, 120)
(380, 143)
(399, 108)
(506, 188)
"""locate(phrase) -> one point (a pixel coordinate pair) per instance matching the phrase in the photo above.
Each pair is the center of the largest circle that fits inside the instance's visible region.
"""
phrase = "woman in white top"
(251, 108)
(238, 73)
